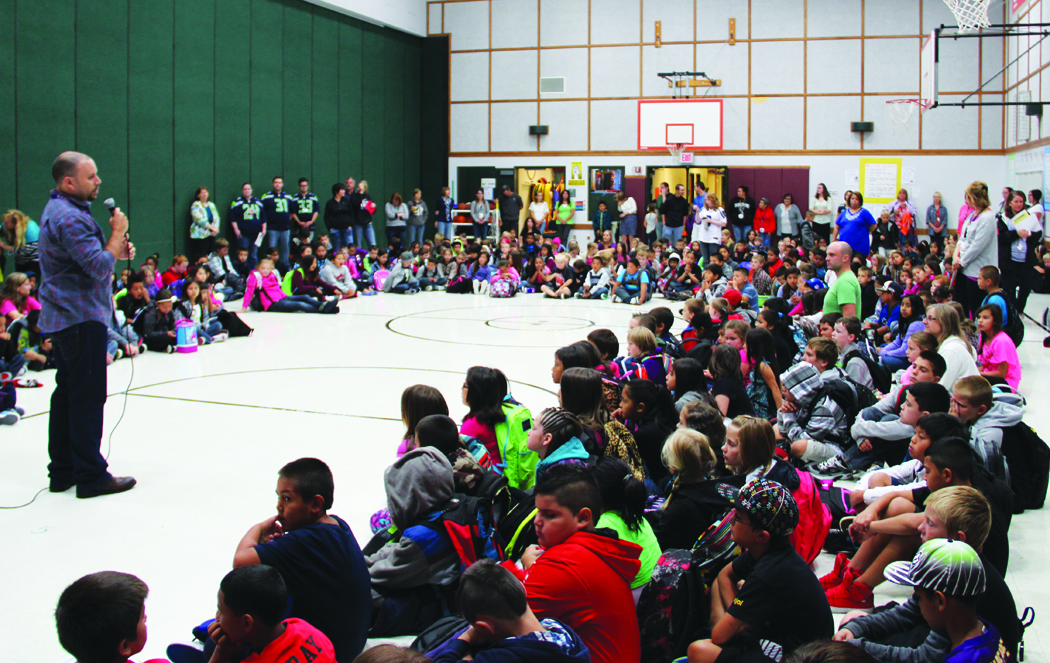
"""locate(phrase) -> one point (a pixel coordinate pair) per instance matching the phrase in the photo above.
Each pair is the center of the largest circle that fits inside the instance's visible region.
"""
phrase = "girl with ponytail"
(623, 510)
(649, 413)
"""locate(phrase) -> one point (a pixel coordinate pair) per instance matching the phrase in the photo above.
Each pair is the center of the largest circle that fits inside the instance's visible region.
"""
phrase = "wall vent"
(552, 85)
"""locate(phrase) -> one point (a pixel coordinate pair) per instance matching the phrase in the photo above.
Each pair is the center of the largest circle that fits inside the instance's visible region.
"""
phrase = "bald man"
(76, 264)
(844, 295)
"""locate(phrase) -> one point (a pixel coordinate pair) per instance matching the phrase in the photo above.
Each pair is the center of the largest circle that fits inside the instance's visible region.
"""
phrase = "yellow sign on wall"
(576, 174)
(880, 180)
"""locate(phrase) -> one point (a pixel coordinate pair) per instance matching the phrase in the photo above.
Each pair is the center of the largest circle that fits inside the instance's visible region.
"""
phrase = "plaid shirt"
(75, 267)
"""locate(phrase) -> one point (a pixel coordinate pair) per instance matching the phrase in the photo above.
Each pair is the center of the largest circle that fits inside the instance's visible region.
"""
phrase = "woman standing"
(396, 218)
(205, 224)
(976, 248)
(443, 225)
(540, 211)
(628, 216)
(480, 215)
(788, 217)
(904, 215)
(363, 208)
(564, 212)
(937, 221)
(20, 237)
(417, 218)
(1019, 234)
(822, 212)
(708, 227)
(854, 225)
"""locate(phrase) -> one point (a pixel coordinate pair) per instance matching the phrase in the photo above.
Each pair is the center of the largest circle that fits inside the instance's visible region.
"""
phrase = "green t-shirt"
(644, 537)
(845, 290)
(563, 212)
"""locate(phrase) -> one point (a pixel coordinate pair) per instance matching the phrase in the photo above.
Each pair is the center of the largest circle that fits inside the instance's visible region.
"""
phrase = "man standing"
(510, 205)
(338, 217)
(665, 193)
(741, 213)
(844, 295)
(248, 220)
(76, 264)
(673, 213)
(278, 208)
(304, 210)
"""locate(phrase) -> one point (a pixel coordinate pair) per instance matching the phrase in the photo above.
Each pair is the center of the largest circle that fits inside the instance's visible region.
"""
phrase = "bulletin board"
(880, 180)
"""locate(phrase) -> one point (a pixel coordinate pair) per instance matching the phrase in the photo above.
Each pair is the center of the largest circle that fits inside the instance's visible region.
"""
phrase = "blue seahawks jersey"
(305, 206)
(278, 208)
(249, 215)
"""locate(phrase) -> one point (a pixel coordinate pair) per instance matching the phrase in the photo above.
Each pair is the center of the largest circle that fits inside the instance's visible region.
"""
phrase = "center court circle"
(538, 323)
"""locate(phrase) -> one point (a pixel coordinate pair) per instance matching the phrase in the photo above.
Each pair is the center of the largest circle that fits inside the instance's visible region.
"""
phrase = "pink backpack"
(379, 277)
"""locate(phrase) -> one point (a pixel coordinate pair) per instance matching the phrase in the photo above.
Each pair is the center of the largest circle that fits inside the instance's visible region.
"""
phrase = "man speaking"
(76, 263)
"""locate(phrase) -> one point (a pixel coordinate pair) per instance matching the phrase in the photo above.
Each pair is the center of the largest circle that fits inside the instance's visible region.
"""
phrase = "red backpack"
(814, 518)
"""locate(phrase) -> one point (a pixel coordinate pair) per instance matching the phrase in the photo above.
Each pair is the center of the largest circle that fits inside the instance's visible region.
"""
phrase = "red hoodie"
(585, 583)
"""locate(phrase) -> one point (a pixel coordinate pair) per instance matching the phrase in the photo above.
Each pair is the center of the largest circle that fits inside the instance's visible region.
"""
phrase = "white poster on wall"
(852, 179)
(907, 176)
(488, 185)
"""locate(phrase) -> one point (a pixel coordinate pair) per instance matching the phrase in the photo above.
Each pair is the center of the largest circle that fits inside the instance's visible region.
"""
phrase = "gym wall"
(169, 96)
(799, 73)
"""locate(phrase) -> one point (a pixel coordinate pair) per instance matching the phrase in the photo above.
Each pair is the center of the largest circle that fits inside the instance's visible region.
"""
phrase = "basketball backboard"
(695, 124)
(928, 73)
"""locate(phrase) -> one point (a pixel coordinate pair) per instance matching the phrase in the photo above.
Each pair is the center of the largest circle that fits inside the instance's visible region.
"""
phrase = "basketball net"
(676, 150)
(972, 15)
(901, 112)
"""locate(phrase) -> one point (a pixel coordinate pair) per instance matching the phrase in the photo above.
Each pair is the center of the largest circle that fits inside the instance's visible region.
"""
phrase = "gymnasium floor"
(205, 434)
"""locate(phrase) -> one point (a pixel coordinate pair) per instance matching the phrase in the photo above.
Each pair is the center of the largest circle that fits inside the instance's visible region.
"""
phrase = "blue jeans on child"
(895, 364)
(596, 293)
(295, 303)
(426, 282)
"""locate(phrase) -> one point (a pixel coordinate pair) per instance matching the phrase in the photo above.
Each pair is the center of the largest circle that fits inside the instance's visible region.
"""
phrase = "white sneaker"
(634, 300)
(9, 418)
(332, 298)
(476, 285)
(428, 288)
(220, 337)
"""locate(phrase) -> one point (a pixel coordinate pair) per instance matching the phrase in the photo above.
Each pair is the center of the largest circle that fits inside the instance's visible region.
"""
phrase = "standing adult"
(937, 221)
(628, 217)
(789, 218)
(510, 205)
(248, 220)
(417, 217)
(673, 213)
(204, 226)
(443, 226)
(480, 214)
(976, 248)
(279, 205)
(845, 204)
(1035, 202)
(77, 264)
(304, 212)
(823, 215)
(362, 207)
(396, 218)
(742, 213)
(563, 212)
(1019, 233)
(844, 295)
(665, 193)
(540, 211)
(904, 214)
(699, 193)
(854, 225)
(338, 218)
(708, 227)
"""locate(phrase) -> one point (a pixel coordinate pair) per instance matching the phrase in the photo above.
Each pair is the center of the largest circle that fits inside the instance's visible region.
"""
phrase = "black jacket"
(691, 509)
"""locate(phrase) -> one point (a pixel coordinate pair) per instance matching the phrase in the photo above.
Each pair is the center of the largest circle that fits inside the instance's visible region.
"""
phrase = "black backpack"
(1014, 326)
(880, 375)
(1028, 458)
(849, 394)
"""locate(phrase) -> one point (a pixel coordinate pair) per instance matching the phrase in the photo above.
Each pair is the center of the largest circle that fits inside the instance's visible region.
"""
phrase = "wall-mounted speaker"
(537, 129)
(1033, 110)
(862, 126)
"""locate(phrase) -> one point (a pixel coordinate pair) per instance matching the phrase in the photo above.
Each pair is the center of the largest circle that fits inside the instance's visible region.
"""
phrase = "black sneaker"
(835, 466)
(839, 541)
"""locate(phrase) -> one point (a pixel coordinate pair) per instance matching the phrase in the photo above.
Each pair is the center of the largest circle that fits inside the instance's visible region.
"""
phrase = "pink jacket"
(269, 291)
(513, 276)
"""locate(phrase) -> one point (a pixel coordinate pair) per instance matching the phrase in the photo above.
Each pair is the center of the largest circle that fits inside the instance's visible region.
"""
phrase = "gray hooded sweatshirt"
(986, 436)
(419, 483)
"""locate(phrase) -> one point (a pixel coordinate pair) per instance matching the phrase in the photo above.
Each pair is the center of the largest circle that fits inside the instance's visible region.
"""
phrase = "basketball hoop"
(676, 150)
(901, 112)
(972, 15)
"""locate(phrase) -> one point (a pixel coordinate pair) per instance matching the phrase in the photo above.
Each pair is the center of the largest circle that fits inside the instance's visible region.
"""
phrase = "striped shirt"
(75, 267)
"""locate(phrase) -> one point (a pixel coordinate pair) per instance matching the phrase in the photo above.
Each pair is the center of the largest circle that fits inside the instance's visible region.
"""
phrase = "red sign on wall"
(1017, 4)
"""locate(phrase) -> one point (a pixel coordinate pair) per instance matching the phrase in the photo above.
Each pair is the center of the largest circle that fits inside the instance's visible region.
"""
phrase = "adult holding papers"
(1020, 232)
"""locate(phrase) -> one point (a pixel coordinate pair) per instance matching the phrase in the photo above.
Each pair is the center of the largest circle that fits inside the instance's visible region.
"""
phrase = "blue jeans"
(446, 229)
(247, 241)
(740, 232)
(596, 293)
(340, 237)
(296, 303)
(895, 364)
(75, 422)
(481, 231)
(414, 234)
(706, 249)
(427, 282)
(396, 238)
(363, 233)
(280, 239)
(671, 234)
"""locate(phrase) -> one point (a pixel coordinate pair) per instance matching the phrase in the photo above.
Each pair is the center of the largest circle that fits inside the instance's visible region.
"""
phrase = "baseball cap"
(768, 505)
(942, 565)
(816, 284)
(407, 255)
(891, 286)
(165, 296)
(733, 297)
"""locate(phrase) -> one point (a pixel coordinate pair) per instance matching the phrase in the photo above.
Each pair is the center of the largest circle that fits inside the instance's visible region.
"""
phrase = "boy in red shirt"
(578, 575)
(252, 600)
